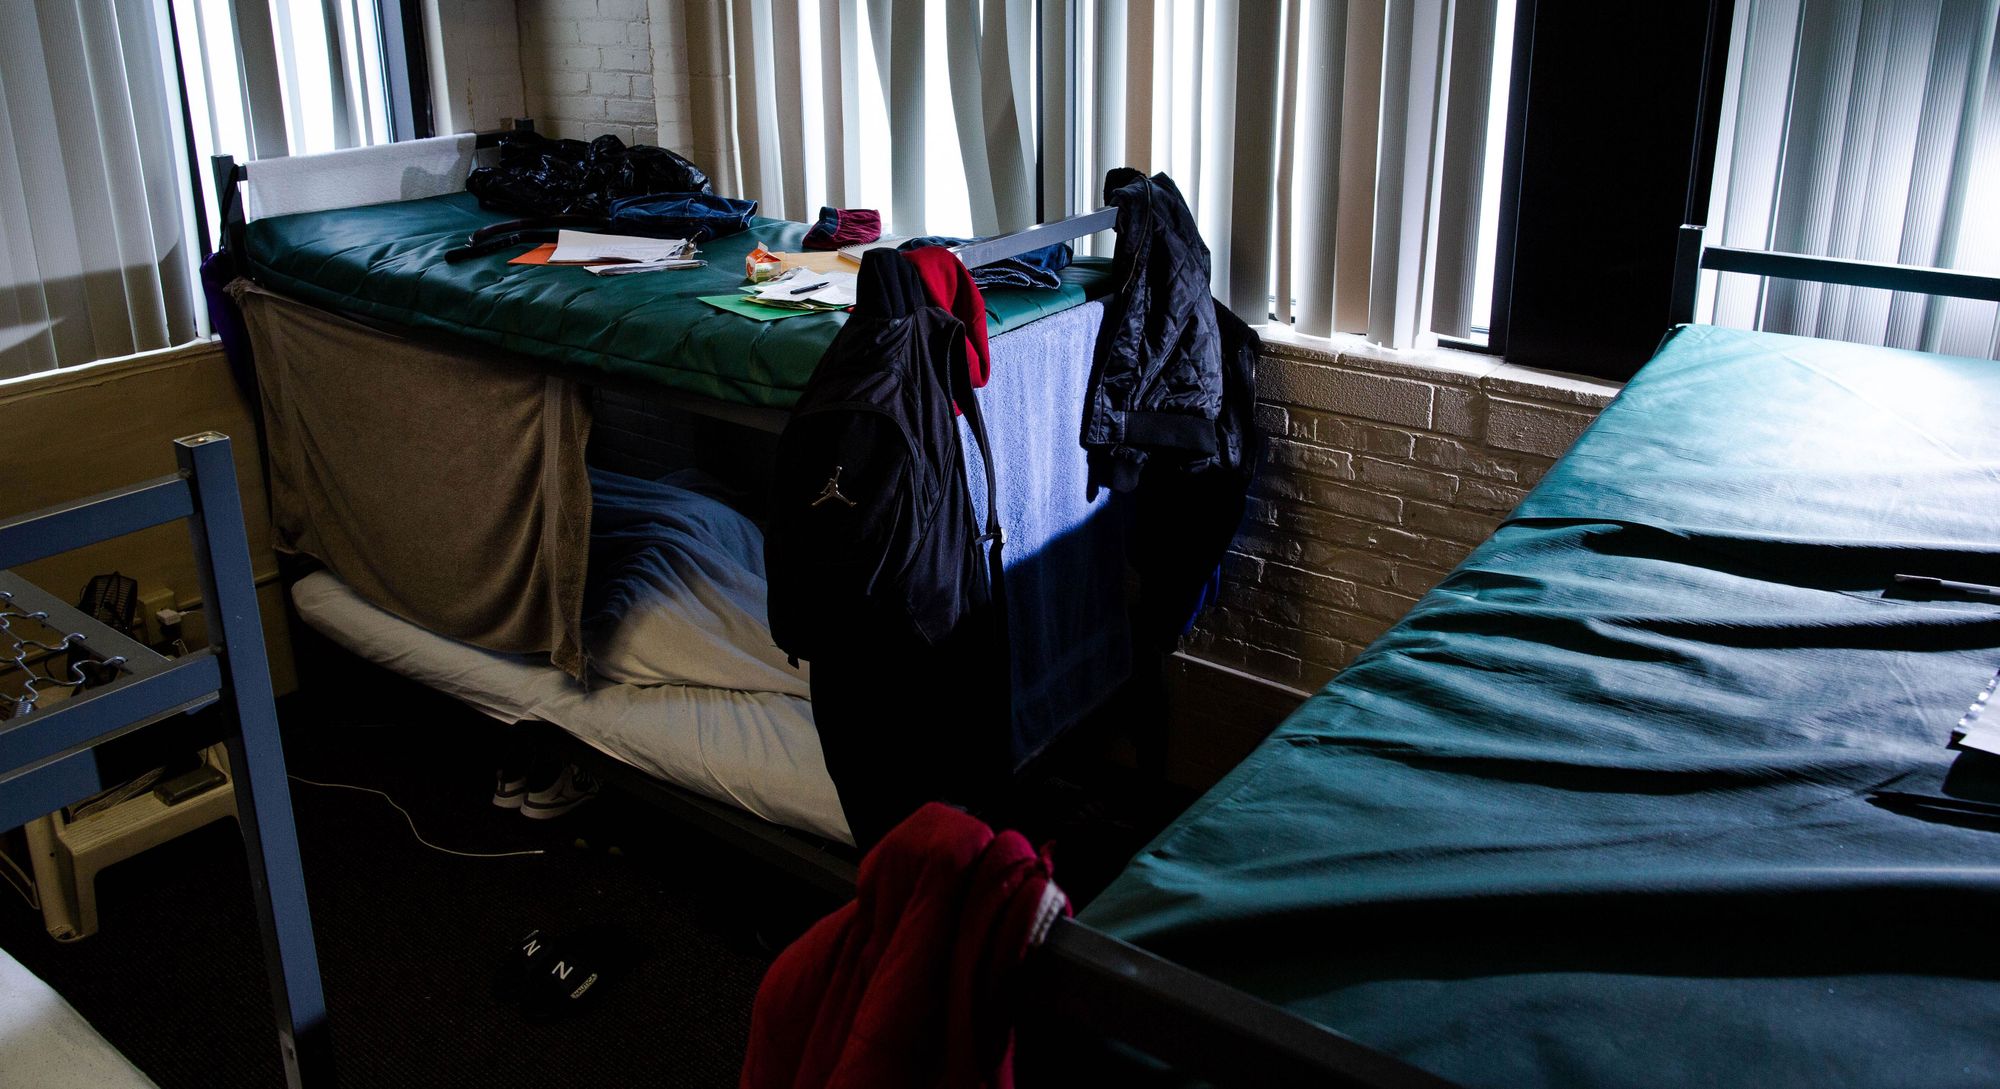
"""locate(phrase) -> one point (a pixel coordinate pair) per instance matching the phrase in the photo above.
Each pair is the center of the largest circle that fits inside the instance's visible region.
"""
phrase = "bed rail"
(1083, 978)
(1693, 256)
(1000, 247)
(228, 172)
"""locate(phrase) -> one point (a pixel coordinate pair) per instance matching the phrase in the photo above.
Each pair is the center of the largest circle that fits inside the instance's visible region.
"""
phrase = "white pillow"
(678, 591)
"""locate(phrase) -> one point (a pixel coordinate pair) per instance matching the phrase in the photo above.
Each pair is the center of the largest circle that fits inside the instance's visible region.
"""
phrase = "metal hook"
(17, 657)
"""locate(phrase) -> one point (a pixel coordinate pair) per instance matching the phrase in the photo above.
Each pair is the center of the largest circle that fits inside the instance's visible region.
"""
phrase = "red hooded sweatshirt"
(950, 287)
(903, 987)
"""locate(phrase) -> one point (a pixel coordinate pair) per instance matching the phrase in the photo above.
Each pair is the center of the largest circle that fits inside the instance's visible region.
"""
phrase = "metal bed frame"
(1098, 983)
(1095, 982)
(1692, 256)
(47, 757)
(1171, 1013)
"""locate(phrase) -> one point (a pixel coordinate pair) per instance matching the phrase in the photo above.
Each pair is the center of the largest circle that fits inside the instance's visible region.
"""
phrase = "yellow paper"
(820, 261)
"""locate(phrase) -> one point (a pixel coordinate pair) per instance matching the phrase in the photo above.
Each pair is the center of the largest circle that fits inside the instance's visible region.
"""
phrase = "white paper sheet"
(587, 247)
(804, 285)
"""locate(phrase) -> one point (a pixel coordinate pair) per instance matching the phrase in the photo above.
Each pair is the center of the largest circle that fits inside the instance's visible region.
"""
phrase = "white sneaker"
(509, 793)
(572, 788)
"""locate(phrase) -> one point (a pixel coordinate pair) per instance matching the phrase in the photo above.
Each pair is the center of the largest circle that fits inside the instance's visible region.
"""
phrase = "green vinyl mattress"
(385, 262)
(1606, 809)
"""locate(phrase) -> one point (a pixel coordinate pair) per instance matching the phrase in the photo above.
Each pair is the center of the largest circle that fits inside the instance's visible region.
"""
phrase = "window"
(268, 78)
(1867, 131)
(928, 112)
(94, 259)
(109, 110)
(1301, 132)
(1337, 155)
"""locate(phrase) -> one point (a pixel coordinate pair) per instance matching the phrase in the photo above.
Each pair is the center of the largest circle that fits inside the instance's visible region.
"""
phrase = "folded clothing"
(676, 592)
(696, 217)
(839, 227)
(1035, 268)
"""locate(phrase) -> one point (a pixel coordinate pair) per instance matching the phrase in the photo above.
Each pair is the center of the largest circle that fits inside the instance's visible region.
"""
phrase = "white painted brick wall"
(476, 64)
(577, 62)
(1382, 470)
(667, 84)
(596, 67)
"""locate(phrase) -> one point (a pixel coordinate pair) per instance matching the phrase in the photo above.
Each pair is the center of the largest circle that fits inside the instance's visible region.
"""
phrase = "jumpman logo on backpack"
(832, 490)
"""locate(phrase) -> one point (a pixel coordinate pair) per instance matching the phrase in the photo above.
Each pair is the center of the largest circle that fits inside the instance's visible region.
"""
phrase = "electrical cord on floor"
(411, 821)
(25, 886)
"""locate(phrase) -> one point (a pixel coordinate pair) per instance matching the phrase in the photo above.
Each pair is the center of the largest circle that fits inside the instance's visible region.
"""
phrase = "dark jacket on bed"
(1157, 388)
(1168, 416)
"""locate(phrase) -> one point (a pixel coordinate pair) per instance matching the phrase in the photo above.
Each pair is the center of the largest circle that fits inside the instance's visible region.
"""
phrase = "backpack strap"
(888, 286)
(968, 404)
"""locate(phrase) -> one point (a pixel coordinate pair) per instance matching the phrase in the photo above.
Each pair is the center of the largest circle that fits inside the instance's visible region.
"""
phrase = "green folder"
(738, 304)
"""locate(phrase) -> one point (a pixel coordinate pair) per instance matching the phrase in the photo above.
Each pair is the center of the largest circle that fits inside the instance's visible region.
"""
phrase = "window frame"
(1588, 246)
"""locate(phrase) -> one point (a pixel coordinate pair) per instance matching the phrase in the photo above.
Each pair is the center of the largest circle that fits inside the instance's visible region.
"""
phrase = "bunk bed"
(1650, 788)
(115, 689)
(428, 423)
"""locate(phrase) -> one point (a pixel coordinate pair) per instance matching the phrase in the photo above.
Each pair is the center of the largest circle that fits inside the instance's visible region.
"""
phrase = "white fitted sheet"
(46, 1044)
(757, 751)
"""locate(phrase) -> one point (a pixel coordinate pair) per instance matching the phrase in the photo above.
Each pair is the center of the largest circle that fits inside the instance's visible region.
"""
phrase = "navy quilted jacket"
(1157, 388)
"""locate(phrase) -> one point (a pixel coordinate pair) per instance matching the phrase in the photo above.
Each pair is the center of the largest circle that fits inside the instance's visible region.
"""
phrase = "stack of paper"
(1974, 730)
(619, 255)
(804, 289)
(853, 253)
(629, 267)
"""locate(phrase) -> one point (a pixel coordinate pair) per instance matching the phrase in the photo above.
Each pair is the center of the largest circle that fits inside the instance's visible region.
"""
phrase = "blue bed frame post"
(257, 758)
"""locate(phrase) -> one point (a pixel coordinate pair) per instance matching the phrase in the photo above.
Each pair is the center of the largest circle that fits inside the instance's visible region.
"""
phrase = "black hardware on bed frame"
(1692, 257)
(47, 757)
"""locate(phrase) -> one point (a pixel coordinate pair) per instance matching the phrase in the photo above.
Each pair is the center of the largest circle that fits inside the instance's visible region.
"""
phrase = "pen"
(823, 283)
(1969, 589)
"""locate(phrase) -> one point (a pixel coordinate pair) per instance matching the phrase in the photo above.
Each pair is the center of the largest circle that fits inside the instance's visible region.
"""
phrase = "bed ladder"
(47, 757)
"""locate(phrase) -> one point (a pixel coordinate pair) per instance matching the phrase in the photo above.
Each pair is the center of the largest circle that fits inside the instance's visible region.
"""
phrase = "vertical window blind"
(270, 78)
(925, 111)
(1865, 129)
(1335, 151)
(94, 258)
(109, 110)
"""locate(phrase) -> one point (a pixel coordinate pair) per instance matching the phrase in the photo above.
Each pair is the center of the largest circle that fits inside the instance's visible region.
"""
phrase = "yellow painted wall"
(71, 434)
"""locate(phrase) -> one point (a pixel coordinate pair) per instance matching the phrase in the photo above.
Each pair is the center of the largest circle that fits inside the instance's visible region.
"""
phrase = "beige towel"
(443, 485)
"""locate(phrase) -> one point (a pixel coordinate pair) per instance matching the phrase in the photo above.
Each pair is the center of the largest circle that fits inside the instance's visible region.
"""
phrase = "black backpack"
(872, 533)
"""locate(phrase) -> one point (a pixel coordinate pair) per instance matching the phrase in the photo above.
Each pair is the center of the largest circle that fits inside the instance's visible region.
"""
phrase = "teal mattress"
(1603, 810)
(385, 263)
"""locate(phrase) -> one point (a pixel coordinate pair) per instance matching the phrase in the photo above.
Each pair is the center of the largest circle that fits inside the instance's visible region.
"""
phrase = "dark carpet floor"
(411, 941)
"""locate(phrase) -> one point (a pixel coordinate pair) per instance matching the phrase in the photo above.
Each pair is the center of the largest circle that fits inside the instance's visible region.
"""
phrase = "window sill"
(1443, 366)
(21, 387)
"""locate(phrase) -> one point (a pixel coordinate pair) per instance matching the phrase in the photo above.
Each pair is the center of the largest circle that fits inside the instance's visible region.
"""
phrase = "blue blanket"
(1064, 553)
